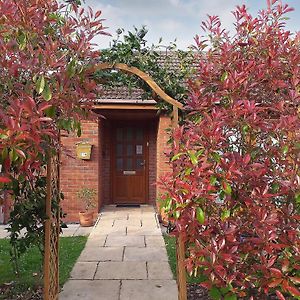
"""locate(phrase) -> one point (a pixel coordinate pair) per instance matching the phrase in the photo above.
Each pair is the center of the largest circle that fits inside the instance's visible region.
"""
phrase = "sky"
(174, 19)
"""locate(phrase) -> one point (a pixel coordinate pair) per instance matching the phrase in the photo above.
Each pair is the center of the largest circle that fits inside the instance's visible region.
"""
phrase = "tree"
(235, 194)
(45, 86)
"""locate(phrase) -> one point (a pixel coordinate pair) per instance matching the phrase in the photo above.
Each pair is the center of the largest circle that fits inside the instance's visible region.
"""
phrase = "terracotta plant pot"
(86, 218)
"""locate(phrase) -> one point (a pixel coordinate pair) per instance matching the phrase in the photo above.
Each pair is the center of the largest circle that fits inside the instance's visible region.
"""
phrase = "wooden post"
(180, 247)
(181, 274)
(47, 250)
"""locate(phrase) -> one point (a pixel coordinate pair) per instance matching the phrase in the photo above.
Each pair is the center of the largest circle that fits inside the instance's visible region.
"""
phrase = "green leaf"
(224, 76)
(22, 40)
(213, 180)
(167, 205)
(199, 152)
(216, 157)
(245, 129)
(215, 294)
(176, 156)
(200, 215)
(285, 149)
(297, 198)
(50, 112)
(47, 92)
(225, 214)
(227, 188)
(40, 84)
(71, 68)
(3, 136)
(230, 297)
(193, 157)
(177, 214)
(188, 171)
(4, 153)
(13, 155)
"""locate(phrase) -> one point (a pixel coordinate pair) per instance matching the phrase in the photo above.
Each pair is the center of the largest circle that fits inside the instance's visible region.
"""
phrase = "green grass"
(170, 242)
(31, 263)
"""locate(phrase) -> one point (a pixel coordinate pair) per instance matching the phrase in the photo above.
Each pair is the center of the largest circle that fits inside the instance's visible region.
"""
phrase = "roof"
(124, 95)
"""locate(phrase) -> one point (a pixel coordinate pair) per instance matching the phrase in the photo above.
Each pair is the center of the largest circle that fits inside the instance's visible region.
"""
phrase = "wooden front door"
(129, 164)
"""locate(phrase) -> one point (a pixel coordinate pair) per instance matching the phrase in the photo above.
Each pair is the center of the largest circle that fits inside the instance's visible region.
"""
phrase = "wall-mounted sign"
(129, 172)
(139, 149)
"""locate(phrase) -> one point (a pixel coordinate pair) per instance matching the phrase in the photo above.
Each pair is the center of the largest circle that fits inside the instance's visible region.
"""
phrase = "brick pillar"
(76, 173)
(163, 136)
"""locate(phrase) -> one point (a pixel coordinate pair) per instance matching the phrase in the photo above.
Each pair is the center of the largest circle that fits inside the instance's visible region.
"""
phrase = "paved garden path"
(124, 259)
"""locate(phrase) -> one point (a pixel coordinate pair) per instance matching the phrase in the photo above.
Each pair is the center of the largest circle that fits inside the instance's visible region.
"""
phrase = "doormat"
(128, 205)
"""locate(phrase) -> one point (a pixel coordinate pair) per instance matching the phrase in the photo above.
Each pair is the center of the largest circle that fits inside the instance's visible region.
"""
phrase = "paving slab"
(90, 290)
(83, 231)
(134, 230)
(159, 270)
(101, 254)
(129, 222)
(129, 241)
(124, 258)
(154, 241)
(121, 270)
(109, 230)
(96, 241)
(145, 254)
(84, 270)
(148, 290)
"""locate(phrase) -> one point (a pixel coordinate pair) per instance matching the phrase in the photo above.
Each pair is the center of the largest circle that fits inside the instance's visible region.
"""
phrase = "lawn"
(31, 265)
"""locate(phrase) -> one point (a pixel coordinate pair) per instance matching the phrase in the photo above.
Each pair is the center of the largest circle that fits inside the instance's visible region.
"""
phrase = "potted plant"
(88, 196)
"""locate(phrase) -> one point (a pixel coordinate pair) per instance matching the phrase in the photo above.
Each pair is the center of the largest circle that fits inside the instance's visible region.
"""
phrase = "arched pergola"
(146, 78)
(51, 261)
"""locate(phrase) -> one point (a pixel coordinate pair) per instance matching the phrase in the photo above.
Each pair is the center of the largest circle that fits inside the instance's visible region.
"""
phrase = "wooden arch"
(145, 77)
(180, 247)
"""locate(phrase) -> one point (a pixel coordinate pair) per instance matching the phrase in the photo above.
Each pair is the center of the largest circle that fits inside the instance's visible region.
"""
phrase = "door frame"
(125, 123)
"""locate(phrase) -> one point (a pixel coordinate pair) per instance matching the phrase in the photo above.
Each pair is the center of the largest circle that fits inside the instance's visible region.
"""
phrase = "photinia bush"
(45, 53)
(234, 194)
(45, 86)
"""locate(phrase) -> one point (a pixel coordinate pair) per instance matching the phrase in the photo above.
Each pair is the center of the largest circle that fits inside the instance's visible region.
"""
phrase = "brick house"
(129, 140)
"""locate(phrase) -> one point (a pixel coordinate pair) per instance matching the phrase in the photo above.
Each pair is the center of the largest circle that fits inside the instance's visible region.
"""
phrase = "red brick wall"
(163, 167)
(152, 134)
(95, 173)
(77, 173)
(105, 172)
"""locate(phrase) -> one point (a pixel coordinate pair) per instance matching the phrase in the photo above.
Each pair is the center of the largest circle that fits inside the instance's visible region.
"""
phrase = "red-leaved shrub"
(234, 195)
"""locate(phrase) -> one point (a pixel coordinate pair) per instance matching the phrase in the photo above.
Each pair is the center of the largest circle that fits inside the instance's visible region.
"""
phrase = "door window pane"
(139, 134)
(119, 163)
(129, 133)
(119, 134)
(119, 149)
(129, 150)
(129, 164)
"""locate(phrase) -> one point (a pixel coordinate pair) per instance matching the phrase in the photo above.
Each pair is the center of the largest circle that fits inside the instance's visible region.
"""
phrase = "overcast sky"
(172, 19)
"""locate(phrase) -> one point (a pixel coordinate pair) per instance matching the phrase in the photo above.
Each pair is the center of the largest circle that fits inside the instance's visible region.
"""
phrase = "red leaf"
(4, 179)
(276, 272)
(294, 291)
(275, 283)
(279, 295)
